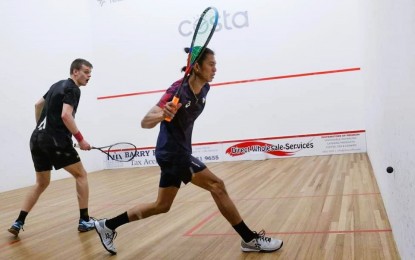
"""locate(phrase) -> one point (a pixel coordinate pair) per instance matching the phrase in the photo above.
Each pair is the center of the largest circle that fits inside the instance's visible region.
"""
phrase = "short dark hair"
(202, 57)
(77, 64)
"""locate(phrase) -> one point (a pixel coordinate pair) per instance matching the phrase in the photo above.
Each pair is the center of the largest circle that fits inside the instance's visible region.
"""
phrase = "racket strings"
(122, 152)
(206, 27)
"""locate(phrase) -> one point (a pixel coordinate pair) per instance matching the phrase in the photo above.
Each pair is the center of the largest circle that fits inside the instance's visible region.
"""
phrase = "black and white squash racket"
(203, 33)
(121, 152)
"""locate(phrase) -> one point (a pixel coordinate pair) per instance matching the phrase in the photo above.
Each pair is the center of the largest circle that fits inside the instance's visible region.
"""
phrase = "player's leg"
(106, 227)
(251, 240)
(78, 171)
(208, 181)
(42, 182)
(163, 204)
(168, 187)
(40, 145)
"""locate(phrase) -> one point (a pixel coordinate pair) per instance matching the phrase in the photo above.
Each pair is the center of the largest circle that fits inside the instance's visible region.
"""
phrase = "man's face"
(82, 76)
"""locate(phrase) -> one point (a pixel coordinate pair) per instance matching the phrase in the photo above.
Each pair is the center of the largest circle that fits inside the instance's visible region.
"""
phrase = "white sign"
(261, 149)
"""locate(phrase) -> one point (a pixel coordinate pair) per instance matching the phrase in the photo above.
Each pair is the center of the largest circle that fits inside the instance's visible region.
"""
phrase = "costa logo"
(227, 21)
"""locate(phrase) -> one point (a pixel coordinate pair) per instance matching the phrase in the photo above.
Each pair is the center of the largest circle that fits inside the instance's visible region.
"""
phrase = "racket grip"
(175, 101)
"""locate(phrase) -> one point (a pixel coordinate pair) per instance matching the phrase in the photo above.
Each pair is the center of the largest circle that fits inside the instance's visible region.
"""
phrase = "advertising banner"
(261, 149)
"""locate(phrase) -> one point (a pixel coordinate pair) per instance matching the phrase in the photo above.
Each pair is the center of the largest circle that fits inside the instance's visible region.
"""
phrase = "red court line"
(208, 218)
(205, 220)
(201, 223)
(238, 82)
(291, 197)
(9, 243)
(287, 76)
(314, 196)
(300, 232)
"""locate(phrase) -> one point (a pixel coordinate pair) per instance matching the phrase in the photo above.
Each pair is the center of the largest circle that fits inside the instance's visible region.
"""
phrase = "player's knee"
(79, 175)
(218, 188)
(42, 185)
(163, 207)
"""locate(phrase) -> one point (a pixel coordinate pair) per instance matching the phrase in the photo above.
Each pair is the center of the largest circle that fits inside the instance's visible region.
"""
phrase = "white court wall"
(389, 65)
(39, 40)
(256, 39)
(136, 46)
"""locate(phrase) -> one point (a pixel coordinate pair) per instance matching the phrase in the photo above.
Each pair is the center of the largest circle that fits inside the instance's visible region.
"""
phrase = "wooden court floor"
(323, 207)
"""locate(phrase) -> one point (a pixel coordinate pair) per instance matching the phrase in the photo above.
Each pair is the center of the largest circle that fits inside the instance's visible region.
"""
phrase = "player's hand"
(84, 145)
(170, 109)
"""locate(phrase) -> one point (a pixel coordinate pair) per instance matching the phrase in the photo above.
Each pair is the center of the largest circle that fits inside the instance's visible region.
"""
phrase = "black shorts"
(48, 151)
(178, 169)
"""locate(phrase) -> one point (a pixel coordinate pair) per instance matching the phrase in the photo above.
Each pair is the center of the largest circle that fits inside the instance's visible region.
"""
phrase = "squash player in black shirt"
(51, 143)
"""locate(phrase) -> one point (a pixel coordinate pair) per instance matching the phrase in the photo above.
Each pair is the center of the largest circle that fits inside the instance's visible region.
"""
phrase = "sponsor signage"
(262, 148)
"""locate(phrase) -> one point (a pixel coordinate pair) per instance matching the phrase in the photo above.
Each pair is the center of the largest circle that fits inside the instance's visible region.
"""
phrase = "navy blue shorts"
(179, 169)
(48, 152)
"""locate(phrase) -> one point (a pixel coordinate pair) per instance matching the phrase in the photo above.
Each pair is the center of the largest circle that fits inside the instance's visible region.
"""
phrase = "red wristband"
(78, 136)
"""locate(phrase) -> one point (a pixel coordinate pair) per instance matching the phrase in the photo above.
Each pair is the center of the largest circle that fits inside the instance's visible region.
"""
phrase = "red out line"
(286, 76)
(238, 82)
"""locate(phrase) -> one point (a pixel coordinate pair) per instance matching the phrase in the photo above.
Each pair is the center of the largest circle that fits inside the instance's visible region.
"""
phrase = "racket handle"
(175, 101)
(75, 145)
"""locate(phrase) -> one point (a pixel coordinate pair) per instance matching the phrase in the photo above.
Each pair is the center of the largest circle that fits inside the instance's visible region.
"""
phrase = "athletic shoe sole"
(14, 231)
(244, 249)
(102, 242)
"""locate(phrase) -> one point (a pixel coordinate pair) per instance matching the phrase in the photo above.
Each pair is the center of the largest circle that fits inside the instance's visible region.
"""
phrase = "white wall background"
(136, 46)
(39, 40)
(388, 69)
(142, 50)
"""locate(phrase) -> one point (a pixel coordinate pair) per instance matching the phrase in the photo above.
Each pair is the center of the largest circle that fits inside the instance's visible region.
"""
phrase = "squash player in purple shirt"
(174, 156)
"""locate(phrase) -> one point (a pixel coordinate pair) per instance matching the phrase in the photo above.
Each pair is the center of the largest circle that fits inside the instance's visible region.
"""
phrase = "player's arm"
(69, 122)
(38, 108)
(158, 114)
(153, 117)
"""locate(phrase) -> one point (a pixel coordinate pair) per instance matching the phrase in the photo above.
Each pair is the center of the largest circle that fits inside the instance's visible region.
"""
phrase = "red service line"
(217, 213)
(204, 221)
(238, 82)
(299, 232)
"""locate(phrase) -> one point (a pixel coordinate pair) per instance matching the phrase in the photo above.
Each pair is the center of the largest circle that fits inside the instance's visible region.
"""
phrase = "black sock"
(246, 234)
(83, 213)
(117, 221)
(22, 216)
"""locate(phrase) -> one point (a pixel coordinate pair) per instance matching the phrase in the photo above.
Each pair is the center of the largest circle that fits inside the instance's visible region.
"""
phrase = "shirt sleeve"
(169, 94)
(71, 96)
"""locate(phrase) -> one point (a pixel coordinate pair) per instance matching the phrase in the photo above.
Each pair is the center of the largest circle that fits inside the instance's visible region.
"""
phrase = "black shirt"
(50, 121)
